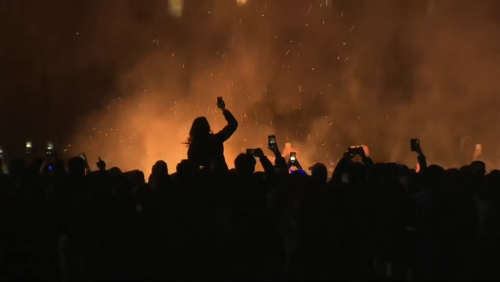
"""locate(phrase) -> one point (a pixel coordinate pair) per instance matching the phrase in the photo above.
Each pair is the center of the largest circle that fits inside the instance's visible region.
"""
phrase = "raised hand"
(415, 146)
(101, 164)
(351, 152)
(221, 104)
(274, 148)
(258, 153)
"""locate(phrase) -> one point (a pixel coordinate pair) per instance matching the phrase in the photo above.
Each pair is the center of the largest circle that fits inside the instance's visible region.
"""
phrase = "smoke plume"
(322, 77)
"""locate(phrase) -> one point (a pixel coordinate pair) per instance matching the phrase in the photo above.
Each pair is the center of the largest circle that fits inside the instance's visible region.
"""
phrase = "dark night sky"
(61, 58)
(62, 61)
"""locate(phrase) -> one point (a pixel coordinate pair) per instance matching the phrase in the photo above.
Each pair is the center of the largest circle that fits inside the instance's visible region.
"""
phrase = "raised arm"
(339, 170)
(266, 164)
(229, 129)
(422, 161)
(367, 161)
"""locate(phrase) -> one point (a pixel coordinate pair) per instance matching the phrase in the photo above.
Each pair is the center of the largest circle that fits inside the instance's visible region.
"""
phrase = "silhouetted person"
(478, 167)
(159, 177)
(76, 167)
(245, 165)
(186, 171)
(207, 149)
(319, 173)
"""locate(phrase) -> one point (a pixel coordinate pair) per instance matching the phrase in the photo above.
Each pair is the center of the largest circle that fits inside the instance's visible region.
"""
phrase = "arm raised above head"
(229, 129)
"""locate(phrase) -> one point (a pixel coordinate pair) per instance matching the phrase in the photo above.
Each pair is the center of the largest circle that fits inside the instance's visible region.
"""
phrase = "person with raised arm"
(422, 161)
(341, 167)
(206, 149)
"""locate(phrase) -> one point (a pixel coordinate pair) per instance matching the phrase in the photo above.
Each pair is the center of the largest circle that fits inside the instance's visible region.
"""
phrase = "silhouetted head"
(135, 177)
(76, 166)
(453, 173)
(466, 169)
(160, 168)
(478, 167)
(319, 173)
(159, 174)
(392, 170)
(355, 174)
(186, 169)
(245, 164)
(433, 175)
(200, 129)
(403, 170)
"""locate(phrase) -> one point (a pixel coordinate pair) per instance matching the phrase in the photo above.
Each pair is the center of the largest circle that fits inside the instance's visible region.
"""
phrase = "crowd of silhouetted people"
(367, 221)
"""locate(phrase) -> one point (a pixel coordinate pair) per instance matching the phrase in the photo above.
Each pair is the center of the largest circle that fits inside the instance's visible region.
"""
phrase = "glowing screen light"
(175, 7)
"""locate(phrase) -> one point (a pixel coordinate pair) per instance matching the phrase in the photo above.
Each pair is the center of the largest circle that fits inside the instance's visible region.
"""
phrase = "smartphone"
(414, 144)
(251, 152)
(360, 150)
(353, 150)
(29, 147)
(220, 101)
(293, 156)
(1, 153)
(271, 142)
(50, 149)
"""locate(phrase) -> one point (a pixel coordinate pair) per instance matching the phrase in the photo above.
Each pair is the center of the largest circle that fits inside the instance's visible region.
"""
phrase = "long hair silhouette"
(206, 149)
(200, 131)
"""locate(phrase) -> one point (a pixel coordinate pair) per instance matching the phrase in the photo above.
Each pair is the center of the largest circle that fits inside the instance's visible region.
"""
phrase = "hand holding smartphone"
(29, 147)
(257, 153)
(220, 103)
(50, 149)
(293, 157)
(355, 150)
(271, 142)
(101, 164)
(360, 151)
(415, 145)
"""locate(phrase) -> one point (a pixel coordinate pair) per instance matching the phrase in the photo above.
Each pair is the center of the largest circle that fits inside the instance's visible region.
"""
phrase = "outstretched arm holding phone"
(293, 161)
(232, 123)
(265, 162)
(415, 147)
(279, 161)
